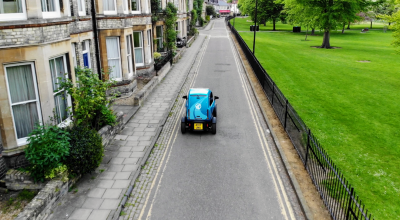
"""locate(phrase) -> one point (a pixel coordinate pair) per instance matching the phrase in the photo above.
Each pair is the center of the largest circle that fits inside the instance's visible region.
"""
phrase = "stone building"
(42, 40)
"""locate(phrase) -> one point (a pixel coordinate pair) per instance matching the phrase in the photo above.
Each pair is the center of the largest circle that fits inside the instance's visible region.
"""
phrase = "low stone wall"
(43, 203)
(17, 180)
(40, 207)
(108, 132)
(179, 54)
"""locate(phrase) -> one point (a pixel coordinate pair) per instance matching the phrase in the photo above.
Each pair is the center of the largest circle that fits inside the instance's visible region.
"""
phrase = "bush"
(89, 98)
(208, 18)
(85, 152)
(157, 55)
(201, 21)
(48, 146)
(107, 117)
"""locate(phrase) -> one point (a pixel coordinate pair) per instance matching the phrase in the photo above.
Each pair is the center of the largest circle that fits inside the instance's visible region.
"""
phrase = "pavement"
(98, 195)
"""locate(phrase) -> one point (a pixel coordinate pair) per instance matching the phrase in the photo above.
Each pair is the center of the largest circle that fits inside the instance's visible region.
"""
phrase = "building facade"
(43, 40)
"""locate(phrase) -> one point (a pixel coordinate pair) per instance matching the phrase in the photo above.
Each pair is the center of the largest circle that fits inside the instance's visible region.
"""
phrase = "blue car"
(201, 111)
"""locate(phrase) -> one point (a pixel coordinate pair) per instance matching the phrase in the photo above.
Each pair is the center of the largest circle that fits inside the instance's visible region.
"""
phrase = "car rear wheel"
(183, 127)
(215, 111)
(214, 128)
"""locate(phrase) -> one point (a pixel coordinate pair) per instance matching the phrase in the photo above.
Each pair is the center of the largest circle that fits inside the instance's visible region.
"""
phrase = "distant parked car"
(201, 111)
(180, 42)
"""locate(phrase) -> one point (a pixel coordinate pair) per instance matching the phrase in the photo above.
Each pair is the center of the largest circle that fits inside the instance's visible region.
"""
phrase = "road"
(235, 174)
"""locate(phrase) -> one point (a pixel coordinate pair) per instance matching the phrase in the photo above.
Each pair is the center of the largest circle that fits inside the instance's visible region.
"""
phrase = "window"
(12, 10)
(149, 44)
(159, 37)
(86, 53)
(129, 54)
(74, 54)
(126, 6)
(135, 4)
(24, 99)
(81, 7)
(50, 8)
(109, 7)
(58, 69)
(138, 44)
(113, 56)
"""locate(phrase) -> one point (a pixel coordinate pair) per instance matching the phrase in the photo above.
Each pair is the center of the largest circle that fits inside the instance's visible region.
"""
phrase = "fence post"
(349, 207)
(284, 125)
(308, 146)
(273, 94)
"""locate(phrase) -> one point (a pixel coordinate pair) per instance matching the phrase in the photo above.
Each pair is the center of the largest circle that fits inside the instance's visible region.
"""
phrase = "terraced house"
(41, 40)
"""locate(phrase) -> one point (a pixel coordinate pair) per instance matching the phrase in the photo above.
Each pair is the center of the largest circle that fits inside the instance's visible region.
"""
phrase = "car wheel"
(183, 127)
(214, 128)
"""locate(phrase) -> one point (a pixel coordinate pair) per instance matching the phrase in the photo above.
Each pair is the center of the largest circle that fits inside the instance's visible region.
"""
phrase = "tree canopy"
(267, 10)
(324, 14)
(394, 18)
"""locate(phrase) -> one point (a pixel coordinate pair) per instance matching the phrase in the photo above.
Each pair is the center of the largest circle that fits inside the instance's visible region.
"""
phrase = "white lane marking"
(263, 141)
(169, 145)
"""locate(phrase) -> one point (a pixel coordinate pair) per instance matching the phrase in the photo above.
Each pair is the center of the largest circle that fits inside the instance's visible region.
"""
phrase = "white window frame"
(24, 141)
(52, 14)
(134, 47)
(138, 7)
(15, 16)
(68, 120)
(74, 55)
(83, 9)
(119, 58)
(149, 40)
(160, 41)
(126, 6)
(129, 56)
(110, 12)
(87, 50)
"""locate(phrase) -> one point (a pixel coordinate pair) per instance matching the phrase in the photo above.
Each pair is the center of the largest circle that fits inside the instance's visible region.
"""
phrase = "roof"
(199, 91)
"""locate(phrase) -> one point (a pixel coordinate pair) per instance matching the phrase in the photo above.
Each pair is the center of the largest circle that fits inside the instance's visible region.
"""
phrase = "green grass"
(353, 108)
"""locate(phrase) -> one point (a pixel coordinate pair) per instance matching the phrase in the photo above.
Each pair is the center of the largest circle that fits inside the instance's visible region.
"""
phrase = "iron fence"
(336, 192)
(163, 60)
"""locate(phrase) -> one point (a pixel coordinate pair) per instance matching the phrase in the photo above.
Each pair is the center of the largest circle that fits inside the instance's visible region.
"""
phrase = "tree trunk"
(273, 21)
(389, 23)
(348, 26)
(306, 34)
(313, 31)
(371, 25)
(344, 25)
(325, 43)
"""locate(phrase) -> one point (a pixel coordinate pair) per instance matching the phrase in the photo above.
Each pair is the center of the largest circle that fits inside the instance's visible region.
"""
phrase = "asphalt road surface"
(234, 174)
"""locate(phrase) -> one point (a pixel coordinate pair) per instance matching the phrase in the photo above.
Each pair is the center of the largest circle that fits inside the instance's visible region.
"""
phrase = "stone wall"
(108, 132)
(18, 180)
(121, 22)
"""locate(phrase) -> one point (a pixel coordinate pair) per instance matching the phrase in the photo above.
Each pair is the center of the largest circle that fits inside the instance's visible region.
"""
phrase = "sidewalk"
(98, 195)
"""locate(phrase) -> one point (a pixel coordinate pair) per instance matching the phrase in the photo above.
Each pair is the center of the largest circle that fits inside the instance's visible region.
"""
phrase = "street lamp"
(255, 24)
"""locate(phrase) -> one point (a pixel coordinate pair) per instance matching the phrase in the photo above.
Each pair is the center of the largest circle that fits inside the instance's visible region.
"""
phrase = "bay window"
(138, 44)
(12, 10)
(58, 70)
(113, 57)
(24, 99)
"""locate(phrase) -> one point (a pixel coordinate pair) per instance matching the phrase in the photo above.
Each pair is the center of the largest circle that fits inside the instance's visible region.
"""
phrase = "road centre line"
(169, 144)
(263, 140)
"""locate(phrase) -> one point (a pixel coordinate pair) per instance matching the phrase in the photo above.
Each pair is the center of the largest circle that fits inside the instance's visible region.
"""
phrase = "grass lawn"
(352, 107)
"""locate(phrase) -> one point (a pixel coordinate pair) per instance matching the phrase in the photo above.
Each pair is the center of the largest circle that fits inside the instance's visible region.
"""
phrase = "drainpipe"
(96, 38)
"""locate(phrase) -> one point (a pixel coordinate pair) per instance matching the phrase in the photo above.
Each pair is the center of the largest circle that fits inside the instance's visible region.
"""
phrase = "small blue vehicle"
(201, 111)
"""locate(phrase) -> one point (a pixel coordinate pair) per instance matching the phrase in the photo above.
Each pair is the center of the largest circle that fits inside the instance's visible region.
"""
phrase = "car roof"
(199, 91)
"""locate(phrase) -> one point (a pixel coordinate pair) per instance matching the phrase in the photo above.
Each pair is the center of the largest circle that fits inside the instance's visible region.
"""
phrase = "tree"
(170, 22)
(395, 19)
(210, 10)
(329, 14)
(267, 10)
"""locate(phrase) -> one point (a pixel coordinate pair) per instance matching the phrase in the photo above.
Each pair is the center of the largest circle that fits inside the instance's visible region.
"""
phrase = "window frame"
(24, 141)
(129, 57)
(142, 47)
(83, 12)
(138, 7)
(149, 40)
(68, 120)
(119, 57)
(15, 16)
(160, 40)
(52, 14)
(87, 50)
(110, 12)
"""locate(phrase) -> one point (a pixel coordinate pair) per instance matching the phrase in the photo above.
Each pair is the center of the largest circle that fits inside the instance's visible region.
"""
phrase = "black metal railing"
(163, 60)
(336, 192)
